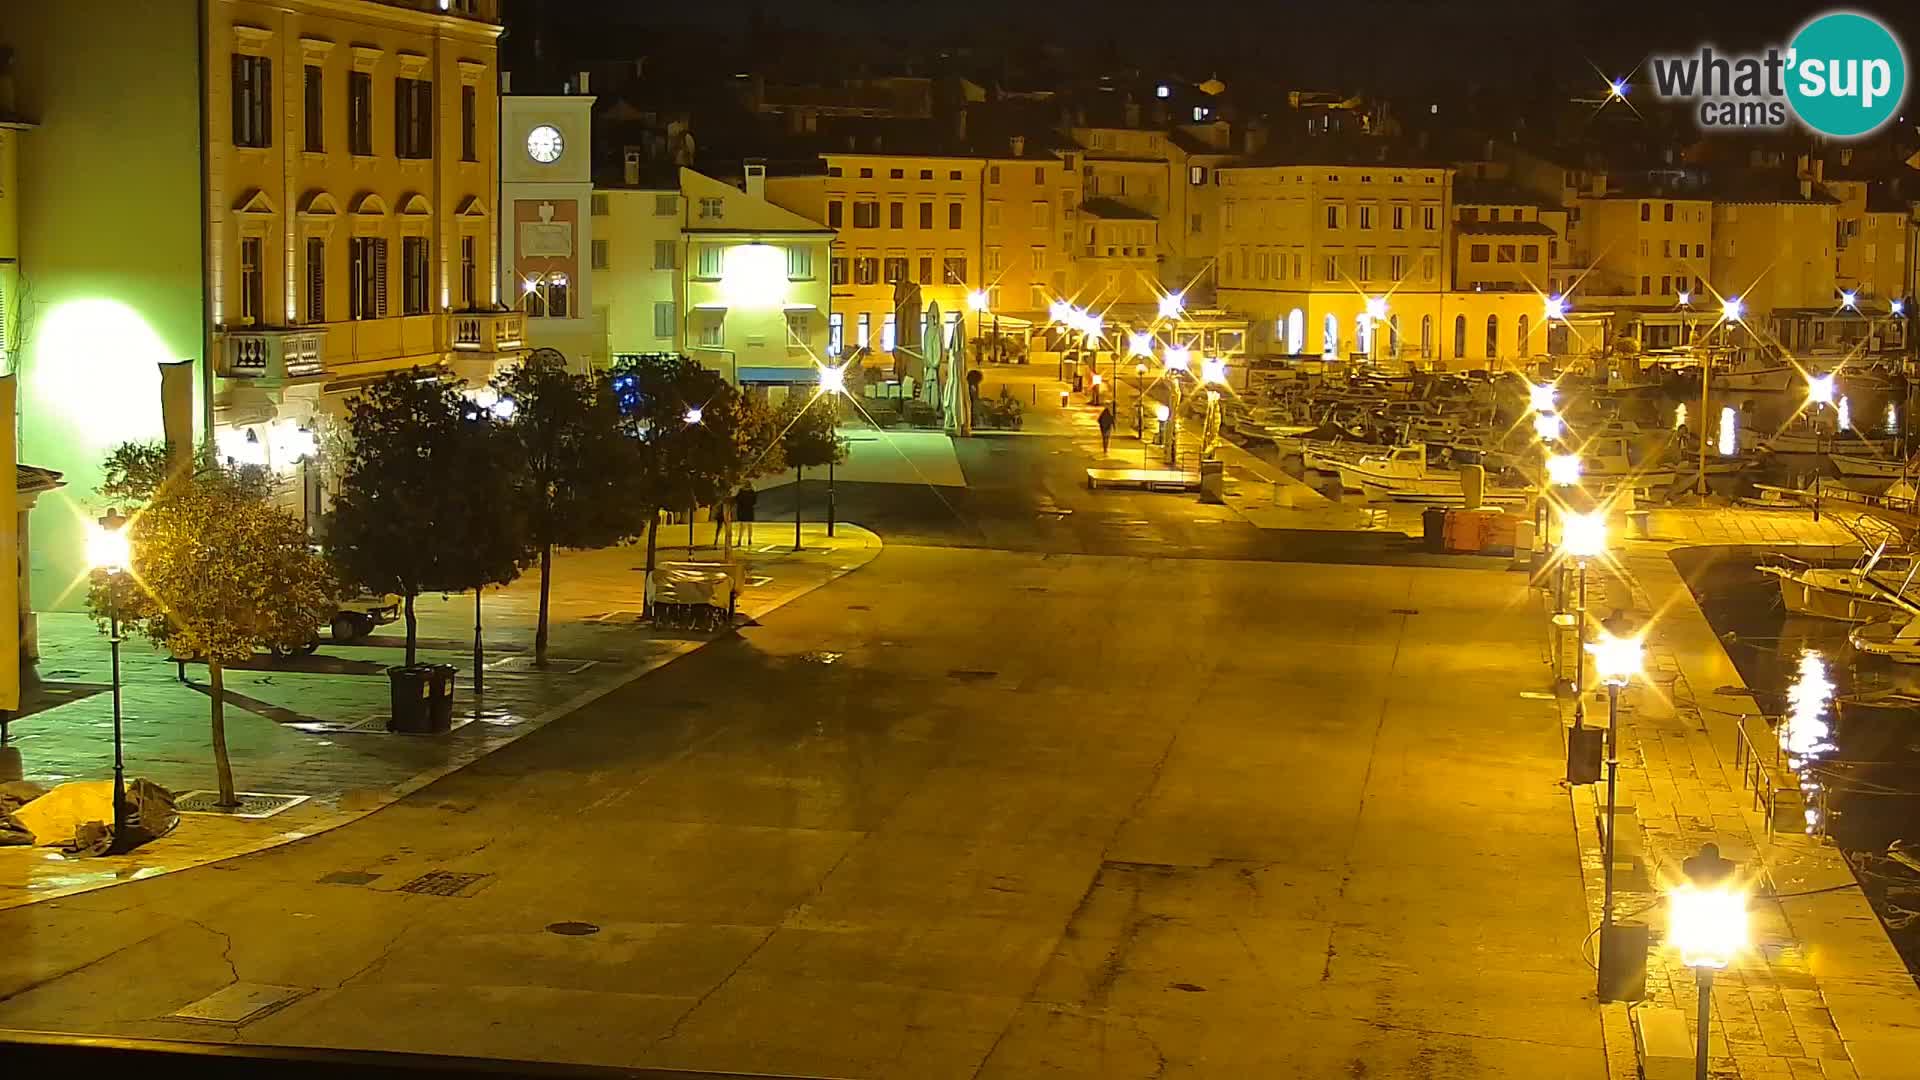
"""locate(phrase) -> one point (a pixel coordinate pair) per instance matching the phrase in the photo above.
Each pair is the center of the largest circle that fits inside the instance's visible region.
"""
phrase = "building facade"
(547, 241)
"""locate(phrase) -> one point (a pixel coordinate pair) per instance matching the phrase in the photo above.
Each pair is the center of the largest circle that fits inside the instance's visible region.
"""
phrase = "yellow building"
(1027, 224)
(1870, 241)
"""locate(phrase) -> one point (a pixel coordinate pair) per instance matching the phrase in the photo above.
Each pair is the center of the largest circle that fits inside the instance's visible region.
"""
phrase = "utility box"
(1623, 961)
(1213, 482)
(1661, 1042)
(1583, 753)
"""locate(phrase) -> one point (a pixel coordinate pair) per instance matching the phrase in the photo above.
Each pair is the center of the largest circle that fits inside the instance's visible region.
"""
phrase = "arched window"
(1393, 337)
(1330, 337)
(1296, 331)
(1459, 337)
(1493, 337)
(1426, 337)
(1523, 336)
(1363, 334)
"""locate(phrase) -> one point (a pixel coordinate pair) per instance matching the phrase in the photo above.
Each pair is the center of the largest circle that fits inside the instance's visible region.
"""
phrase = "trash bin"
(1433, 529)
(1213, 482)
(422, 699)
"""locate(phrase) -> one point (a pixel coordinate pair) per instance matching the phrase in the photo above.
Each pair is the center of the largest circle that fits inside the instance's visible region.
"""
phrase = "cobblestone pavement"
(315, 727)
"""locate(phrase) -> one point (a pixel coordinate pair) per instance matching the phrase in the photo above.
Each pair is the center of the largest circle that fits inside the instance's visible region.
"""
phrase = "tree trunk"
(221, 765)
(799, 477)
(413, 632)
(546, 588)
(653, 532)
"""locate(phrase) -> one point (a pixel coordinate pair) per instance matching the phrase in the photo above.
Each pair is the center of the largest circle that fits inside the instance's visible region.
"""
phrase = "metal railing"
(1757, 773)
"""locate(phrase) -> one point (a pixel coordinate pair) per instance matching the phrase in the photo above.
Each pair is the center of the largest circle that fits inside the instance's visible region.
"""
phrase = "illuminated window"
(252, 101)
(799, 263)
(866, 270)
(317, 279)
(799, 336)
(836, 333)
(367, 277)
(863, 328)
(838, 267)
(886, 333)
(1196, 174)
(895, 269)
(663, 319)
(712, 259)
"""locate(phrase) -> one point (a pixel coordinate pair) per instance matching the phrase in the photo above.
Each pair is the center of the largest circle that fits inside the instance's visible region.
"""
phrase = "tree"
(217, 573)
(681, 417)
(810, 437)
(579, 468)
(426, 497)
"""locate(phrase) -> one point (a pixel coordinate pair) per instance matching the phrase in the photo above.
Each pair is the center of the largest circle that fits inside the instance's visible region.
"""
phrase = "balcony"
(488, 331)
(271, 354)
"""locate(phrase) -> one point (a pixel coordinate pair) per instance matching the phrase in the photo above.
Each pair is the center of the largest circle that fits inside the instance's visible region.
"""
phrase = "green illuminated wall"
(110, 247)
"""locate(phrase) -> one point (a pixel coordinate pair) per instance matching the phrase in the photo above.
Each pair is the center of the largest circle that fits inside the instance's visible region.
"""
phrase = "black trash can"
(1433, 529)
(422, 699)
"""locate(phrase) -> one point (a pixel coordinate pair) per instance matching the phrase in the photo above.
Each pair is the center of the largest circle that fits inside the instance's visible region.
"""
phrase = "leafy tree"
(426, 499)
(682, 419)
(580, 470)
(810, 438)
(217, 573)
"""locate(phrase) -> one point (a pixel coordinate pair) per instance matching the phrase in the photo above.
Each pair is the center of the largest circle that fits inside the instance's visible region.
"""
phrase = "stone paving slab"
(314, 726)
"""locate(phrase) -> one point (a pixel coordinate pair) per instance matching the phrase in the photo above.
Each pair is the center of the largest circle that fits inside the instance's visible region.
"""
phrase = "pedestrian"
(721, 519)
(743, 501)
(1106, 427)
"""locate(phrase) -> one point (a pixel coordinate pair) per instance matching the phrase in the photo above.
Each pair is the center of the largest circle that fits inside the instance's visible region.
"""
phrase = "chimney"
(506, 82)
(1806, 187)
(757, 179)
(582, 88)
(960, 124)
(1819, 170)
(630, 171)
(1017, 144)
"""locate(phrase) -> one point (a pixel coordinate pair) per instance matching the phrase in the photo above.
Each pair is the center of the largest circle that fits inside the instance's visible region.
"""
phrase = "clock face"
(543, 144)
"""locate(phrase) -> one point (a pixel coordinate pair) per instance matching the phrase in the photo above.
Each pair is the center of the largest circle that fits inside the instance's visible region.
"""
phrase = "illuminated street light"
(1729, 432)
(1584, 536)
(1540, 397)
(1843, 415)
(1707, 926)
(1213, 369)
(1172, 306)
(1161, 412)
(1898, 307)
(1820, 389)
(1547, 426)
(1177, 357)
(1849, 299)
(1686, 298)
(833, 380)
(1140, 344)
(693, 415)
(1616, 660)
(1556, 307)
(1059, 311)
(977, 300)
(1679, 415)
(1617, 89)
(109, 548)
(1563, 470)
(1376, 308)
(1731, 309)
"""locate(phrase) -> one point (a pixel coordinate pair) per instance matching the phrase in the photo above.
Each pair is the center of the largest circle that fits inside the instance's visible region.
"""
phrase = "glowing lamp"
(1058, 311)
(241, 446)
(1540, 397)
(1617, 89)
(1376, 307)
(107, 545)
(1547, 426)
(693, 415)
(1161, 413)
(1707, 924)
(1177, 357)
(1140, 370)
(1898, 307)
(1172, 305)
(1893, 419)
(1140, 344)
(1213, 370)
(1091, 325)
(1615, 659)
(1096, 378)
(1848, 299)
(1563, 470)
(1731, 309)
(977, 300)
(1556, 307)
(1686, 298)
(1679, 415)
(291, 444)
(754, 276)
(833, 380)
(1820, 389)
(1584, 536)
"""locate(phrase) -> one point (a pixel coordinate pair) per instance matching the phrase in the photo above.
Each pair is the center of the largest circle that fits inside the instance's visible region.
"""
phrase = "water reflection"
(1804, 733)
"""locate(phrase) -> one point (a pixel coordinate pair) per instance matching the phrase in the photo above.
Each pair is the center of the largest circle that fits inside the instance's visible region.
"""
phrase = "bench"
(1144, 479)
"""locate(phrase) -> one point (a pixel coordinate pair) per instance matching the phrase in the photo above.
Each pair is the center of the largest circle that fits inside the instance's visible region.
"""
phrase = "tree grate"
(253, 804)
(442, 883)
(524, 665)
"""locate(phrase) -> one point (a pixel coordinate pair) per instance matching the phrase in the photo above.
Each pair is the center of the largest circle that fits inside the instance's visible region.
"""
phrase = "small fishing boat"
(1802, 439)
(1755, 376)
(1873, 588)
(1898, 641)
(1867, 466)
(1402, 474)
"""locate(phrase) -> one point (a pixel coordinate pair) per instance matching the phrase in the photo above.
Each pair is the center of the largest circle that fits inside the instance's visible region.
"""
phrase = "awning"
(804, 374)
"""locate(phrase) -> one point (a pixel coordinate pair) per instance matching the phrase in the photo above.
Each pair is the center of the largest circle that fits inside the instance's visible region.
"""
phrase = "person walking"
(743, 501)
(1106, 427)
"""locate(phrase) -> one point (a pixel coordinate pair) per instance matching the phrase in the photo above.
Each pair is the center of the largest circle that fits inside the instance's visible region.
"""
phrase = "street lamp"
(1540, 397)
(977, 302)
(1616, 661)
(1707, 924)
(1172, 306)
(1177, 359)
(109, 548)
(1819, 393)
(1139, 398)
(1547, 426)
(833, 383)
(1582, 537)
(1563, 470)
(1556, 308)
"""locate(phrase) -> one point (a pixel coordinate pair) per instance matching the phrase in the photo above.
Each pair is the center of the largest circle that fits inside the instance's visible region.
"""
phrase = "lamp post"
(1139, 398)
(109, 549)
(1616, 660)
(1376, 317)
(1819, 394)
(487, 407)
(833, 383)
(1583, 537)
(1177, 358)
(977, 302)
(1707, 924)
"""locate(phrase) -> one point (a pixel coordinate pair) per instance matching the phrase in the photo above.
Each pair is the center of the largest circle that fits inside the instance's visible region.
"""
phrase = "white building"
(546, 224)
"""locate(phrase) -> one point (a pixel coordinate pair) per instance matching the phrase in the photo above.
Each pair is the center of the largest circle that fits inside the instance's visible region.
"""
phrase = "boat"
(1867, 466)
(1801, 439)
(1873, 588)
(1754, 377)
(1613, 460)
(1402, 474)
(1898, 641)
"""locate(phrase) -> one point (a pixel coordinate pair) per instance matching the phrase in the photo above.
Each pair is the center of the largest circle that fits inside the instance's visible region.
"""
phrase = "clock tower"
(546, 221)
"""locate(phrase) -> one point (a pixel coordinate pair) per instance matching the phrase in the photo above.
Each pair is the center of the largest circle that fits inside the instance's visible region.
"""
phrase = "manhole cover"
(442, 883)
(1405, 611)
(348, 877)
(253, 804)
(971, 674)
(525, 665)
(572, 929)
(1035, 588)
(238, 1003)
(859, 607)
